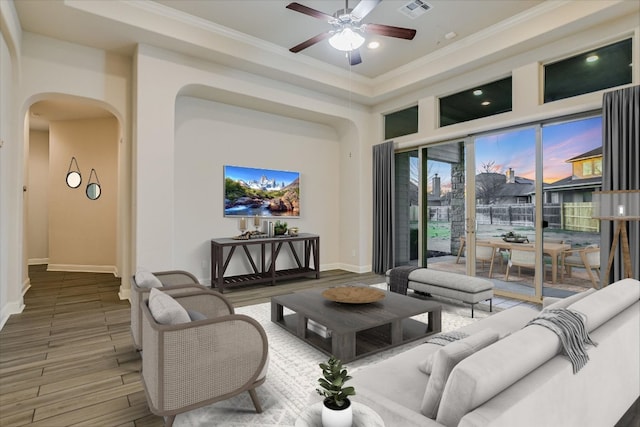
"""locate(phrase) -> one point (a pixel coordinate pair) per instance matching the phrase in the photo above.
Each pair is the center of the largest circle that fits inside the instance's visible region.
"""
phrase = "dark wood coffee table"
(357, 330)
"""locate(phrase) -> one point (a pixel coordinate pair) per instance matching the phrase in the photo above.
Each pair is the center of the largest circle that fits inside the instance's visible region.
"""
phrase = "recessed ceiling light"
(477, 92)
(486, 103)
(592, 58)
(373, 45)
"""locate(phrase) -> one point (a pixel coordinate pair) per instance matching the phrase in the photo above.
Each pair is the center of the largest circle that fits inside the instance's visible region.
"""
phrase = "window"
(594, 70)
(403, 122)
(597, 167)
(474, 103)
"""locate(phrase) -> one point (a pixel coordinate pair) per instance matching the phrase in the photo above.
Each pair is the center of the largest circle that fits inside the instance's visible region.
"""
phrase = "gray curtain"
(383, 201)
(621, 170)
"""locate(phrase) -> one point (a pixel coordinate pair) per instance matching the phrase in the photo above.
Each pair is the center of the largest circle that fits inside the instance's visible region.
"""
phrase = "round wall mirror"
(74, 179)
(93, 191)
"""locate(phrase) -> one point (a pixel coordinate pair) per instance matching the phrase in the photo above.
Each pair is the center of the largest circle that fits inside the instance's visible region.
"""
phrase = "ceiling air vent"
(415, 8)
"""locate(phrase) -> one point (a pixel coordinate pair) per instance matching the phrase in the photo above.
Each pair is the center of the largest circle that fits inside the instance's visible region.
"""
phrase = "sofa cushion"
(606, 303)
(166, 310)
(566, 302)
(447, 279)
(445, 360)
(146, 279)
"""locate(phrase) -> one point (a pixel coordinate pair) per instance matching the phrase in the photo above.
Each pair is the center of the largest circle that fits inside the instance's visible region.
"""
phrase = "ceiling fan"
(347, 32)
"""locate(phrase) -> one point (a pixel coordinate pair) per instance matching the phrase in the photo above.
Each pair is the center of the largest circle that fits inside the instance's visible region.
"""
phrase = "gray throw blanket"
(399, 278)
(445, 338)
(569, 326)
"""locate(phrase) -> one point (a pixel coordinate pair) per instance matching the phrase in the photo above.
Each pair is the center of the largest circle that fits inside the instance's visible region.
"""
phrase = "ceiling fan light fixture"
(346, 40)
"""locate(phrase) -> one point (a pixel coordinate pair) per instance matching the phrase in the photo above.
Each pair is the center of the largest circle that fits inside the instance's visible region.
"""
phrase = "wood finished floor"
(68, 358)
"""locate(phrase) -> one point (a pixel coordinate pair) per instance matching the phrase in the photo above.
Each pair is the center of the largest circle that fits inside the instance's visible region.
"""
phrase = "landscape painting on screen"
(261, 192)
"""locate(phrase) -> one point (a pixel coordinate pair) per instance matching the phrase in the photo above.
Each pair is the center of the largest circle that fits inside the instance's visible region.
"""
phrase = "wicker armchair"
(194, 364)
(174, 282)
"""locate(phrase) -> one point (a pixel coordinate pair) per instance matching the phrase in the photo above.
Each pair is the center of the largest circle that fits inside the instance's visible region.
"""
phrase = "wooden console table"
(267, 273)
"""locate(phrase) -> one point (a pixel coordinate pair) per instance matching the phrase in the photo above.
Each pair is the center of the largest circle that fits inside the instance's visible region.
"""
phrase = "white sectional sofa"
(522, 379)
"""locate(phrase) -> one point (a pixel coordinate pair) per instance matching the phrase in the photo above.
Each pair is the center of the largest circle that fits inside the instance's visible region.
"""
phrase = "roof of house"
(569, 183)
(596, 152)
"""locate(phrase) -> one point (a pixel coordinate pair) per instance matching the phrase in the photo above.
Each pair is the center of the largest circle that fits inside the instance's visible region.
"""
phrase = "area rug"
(293, 373)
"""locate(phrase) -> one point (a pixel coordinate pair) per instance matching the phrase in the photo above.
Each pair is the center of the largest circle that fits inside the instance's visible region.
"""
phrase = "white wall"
(210, 135)
(38, 198)
(287, 126)
(12, 283)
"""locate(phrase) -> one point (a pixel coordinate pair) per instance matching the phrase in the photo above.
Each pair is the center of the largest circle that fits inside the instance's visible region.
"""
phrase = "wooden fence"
(569, 216)
(577, 217)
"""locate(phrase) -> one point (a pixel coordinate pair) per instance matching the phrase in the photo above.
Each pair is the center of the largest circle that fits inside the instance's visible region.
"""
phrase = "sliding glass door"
(406, 215)
(443, 204)
(572, 153)
(505, 210)
(512, 205)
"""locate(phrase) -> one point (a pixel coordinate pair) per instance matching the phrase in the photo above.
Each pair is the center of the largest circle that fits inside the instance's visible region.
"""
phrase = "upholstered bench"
(468, 289)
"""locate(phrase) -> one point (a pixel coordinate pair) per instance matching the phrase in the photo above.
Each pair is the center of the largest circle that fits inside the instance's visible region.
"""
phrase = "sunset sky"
(560, 142)
(516, 149)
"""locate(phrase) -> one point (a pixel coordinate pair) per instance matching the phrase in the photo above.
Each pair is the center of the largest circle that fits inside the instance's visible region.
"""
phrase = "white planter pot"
(337, 418)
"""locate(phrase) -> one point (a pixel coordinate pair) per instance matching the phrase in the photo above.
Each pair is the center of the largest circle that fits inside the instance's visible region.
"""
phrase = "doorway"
(64, 227)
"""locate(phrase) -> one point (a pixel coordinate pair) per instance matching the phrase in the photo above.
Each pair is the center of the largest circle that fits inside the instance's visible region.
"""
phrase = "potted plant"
(336, 408)
(279, 228)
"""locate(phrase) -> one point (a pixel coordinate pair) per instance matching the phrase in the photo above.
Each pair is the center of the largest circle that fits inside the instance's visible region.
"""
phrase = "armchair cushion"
(146, 279)
(166, 310)
(195, 315)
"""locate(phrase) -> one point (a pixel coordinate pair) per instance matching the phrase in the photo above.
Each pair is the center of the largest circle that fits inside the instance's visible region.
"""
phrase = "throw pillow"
(146, 279)
(166, 310)
(441, 339)
(195, 315)
(445, 360)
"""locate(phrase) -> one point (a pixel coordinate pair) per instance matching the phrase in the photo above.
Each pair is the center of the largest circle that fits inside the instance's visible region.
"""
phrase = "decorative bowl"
(516, 239)
(353, 294)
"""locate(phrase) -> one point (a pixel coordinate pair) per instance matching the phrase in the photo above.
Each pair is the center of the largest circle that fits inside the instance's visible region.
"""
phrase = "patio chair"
(486, 252)
(206, 360)
(587, 258)
(173, 282)
(524, 256)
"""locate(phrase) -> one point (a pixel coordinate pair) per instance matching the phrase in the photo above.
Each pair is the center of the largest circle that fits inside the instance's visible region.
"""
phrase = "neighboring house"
(573, 194)
(503, 189)
(586, 177)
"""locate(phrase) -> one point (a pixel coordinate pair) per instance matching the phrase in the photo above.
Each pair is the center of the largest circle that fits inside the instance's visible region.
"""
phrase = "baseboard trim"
(9, 309)
(124, 293)
(38, 261)
(355, 268)
(84, 268)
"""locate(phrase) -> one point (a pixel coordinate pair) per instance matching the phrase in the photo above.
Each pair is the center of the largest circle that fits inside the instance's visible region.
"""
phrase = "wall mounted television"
(261, 192)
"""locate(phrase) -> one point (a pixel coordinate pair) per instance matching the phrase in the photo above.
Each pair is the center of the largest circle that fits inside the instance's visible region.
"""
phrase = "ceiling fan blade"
(389, 31)
(354, 57)
(309, 11)
(310, 42)
(363, 9)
